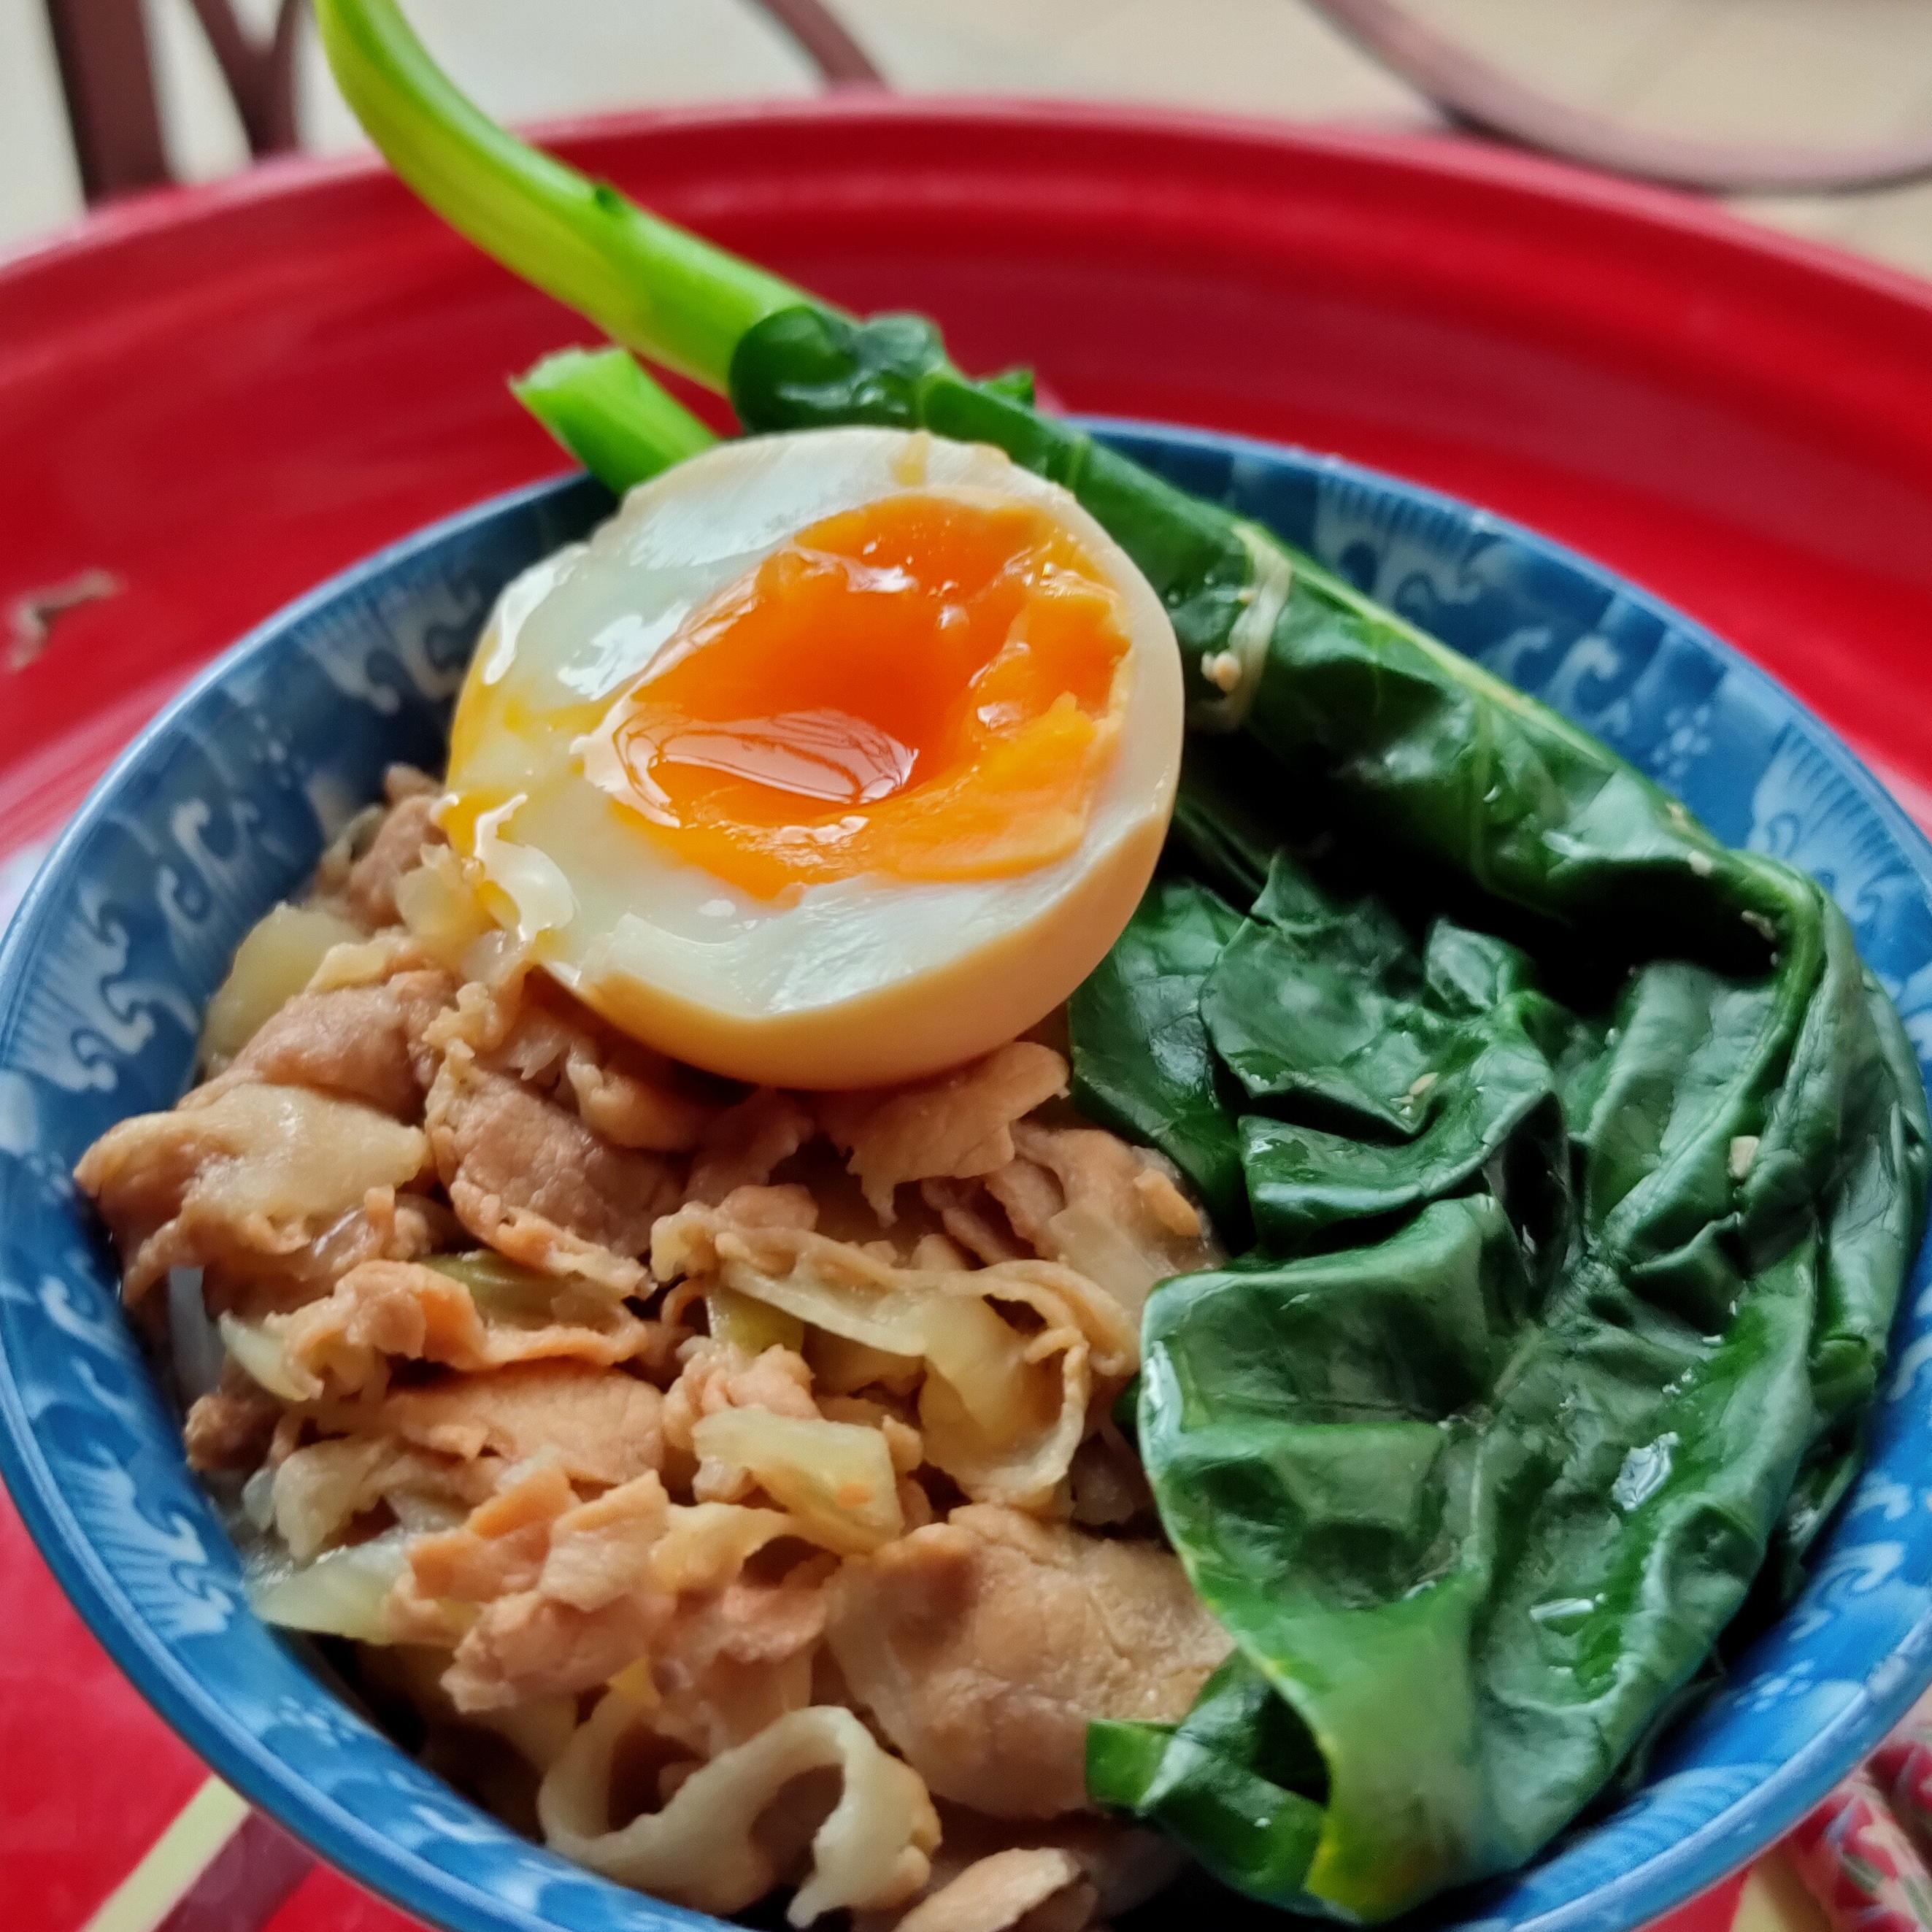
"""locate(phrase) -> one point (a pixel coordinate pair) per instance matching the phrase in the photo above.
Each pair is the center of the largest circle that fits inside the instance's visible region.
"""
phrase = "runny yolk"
(928, 687)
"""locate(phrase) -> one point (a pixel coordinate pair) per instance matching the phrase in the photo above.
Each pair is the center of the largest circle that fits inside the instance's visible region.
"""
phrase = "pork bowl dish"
(999, 1194)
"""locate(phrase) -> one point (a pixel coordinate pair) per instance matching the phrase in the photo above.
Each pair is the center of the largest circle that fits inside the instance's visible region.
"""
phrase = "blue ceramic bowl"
(223, 804)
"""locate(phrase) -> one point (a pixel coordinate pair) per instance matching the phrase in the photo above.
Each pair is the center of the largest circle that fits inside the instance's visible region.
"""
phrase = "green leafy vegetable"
(1583, 1159)
(645, 283)
(1559, 1327)
(1225, 1779)
(1146, 1067)
(1472, 1538)
(1228, 842)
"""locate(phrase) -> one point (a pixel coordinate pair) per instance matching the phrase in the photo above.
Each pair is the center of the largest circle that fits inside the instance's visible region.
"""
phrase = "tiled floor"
(1815, 70)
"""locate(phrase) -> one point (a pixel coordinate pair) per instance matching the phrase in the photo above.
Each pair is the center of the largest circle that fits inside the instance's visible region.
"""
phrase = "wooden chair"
(106, 70)
(107, 74)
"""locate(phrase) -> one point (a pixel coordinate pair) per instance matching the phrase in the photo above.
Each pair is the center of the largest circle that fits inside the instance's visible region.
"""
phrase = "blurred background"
(1844, 79)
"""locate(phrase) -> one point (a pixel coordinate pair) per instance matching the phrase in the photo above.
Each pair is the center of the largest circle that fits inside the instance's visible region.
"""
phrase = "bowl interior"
(224, 803)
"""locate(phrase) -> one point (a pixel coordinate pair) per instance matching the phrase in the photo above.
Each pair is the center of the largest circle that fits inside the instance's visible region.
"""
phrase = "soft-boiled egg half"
(831, 759)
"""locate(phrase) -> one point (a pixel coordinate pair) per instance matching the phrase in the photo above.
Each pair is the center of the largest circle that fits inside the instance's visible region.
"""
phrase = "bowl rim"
(408, 1879)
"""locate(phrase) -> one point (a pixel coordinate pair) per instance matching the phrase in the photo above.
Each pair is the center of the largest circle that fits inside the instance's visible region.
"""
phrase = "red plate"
(217, 398)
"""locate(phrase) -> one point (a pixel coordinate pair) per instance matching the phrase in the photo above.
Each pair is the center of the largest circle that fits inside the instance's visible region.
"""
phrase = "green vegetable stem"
(1577, 1159)
(609, 415)
(643, 282)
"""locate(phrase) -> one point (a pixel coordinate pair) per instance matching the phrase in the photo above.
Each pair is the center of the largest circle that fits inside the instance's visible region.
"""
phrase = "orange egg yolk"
(928, 688)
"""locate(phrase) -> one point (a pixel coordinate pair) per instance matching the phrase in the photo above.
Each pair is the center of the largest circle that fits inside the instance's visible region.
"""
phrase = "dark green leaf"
(1219, 832)
(1475, 1540)
(1140, 1059)
(1233, 1779)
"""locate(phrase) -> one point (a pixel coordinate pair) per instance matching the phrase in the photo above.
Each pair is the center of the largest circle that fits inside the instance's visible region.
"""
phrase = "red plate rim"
(37, 267)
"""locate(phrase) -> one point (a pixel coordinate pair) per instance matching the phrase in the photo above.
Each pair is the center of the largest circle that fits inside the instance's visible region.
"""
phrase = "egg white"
(862, 982)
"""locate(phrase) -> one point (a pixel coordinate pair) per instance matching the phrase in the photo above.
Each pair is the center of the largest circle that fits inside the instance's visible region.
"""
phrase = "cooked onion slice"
(703, 1848)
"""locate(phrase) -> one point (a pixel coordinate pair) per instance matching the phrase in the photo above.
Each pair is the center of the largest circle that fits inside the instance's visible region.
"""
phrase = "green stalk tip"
(619, 424)
(644, 282)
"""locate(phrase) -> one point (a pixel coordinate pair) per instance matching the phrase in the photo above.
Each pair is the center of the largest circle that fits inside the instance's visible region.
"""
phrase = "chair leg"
(260, 75)
(107, 74)
(107, 78)
(1474, 90)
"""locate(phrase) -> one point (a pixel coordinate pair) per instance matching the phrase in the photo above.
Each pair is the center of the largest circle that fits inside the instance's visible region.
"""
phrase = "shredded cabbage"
(342, 1593)
(836, 1478)
(262, 1357)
